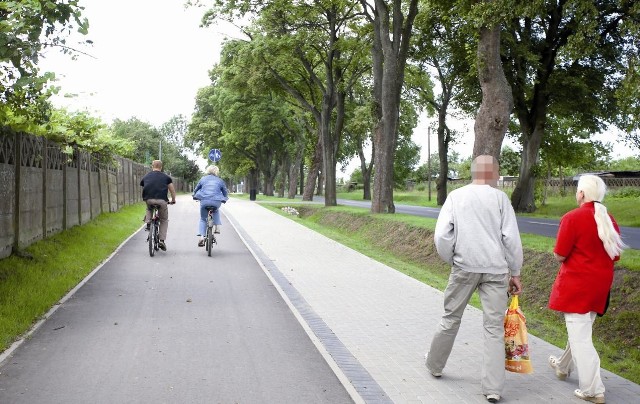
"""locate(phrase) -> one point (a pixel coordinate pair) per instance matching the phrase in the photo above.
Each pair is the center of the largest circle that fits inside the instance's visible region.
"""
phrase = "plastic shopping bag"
(516, 346)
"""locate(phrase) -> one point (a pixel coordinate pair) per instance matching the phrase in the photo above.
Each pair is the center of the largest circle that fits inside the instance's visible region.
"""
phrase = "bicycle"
(154, 229)
(210, 238)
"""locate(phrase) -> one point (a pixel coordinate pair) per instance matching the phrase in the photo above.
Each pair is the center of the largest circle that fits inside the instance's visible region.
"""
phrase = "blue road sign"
(215, 155)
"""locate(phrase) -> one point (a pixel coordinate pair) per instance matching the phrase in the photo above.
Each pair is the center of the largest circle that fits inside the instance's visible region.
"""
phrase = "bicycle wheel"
(150, 237)
(208, 240)
(156, 236)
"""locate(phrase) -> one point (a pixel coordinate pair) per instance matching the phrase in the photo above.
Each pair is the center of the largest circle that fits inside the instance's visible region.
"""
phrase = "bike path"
(383, 320)
(180, 327)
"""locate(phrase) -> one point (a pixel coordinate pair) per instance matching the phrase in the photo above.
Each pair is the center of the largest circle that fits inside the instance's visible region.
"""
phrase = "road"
(180, 327)
(529, 225)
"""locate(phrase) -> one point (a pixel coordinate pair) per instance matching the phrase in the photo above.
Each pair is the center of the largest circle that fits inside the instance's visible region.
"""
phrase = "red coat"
(586, 274)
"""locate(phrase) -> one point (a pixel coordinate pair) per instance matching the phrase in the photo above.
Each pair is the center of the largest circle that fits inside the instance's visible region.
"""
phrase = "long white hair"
(594, 190)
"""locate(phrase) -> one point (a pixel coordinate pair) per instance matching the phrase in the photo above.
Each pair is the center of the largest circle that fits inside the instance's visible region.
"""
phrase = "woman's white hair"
(213, 170)
(594, 190)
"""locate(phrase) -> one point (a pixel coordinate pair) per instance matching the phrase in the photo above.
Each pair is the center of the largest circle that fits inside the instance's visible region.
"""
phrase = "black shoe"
(148, 226)
(201, 243)
(162, 246)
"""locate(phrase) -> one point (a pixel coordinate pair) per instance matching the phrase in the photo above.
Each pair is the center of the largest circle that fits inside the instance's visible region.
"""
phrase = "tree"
(509, 162)
(567, 60)
(148, 142)
(392, 29)
(331, 65)
(441, 46)
(27, 28)
(492, 120)
(633, 139)
(358, 125)
(145, 138)
(174, 130)
(245, 113)
(625, 164)
(423, 172)
(312, 49)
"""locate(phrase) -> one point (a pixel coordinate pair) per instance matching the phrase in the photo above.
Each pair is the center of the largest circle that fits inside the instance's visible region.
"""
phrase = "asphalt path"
(180, 327)
(528, 225)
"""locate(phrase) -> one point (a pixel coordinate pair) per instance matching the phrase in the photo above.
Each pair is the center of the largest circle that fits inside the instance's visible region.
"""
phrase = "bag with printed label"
(516, 346)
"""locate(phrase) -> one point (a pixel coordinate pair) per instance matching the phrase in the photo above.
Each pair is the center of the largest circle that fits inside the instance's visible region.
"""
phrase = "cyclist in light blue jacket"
(210, 191)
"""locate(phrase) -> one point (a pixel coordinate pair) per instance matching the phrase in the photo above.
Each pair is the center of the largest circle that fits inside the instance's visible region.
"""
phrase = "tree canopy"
(26, 29)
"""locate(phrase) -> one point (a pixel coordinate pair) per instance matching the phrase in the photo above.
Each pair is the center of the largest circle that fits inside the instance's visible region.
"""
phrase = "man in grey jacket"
(478, 235)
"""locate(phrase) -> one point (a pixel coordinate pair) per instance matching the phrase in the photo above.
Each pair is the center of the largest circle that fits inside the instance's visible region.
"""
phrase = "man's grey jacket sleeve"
(511, 239)
(444, 236)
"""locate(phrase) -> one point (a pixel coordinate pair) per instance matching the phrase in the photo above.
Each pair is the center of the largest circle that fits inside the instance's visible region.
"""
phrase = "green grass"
(29, 287)
(624, 210)
(414, 198)
(630, 257)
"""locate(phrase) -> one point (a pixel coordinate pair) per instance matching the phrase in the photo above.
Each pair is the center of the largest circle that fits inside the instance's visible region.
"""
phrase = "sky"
(149, 58)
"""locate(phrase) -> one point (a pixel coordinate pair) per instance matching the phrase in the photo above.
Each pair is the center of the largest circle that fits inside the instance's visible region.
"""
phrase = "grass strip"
(30, 285)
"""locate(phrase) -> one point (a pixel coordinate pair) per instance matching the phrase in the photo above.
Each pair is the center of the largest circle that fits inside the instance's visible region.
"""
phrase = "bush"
(626, 192)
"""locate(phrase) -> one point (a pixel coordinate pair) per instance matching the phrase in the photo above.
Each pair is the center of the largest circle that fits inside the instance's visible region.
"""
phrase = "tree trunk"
(328, 154)
(385, 141)
(269, 179)
(366, 171)
(492, 120)
(295, 172)
(319, 190)
(301, 177)
(377, 64)
(443, 152)
(523, 197)
(253, 184)
(312, 175)
(394, 38)
(284, 173)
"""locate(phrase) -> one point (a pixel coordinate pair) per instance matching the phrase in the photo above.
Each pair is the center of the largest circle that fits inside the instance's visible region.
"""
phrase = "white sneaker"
(493, 398)
(553, 362)
(598, 398)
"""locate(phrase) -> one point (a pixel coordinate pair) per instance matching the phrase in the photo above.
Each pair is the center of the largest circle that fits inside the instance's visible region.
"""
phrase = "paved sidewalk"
(376, 323)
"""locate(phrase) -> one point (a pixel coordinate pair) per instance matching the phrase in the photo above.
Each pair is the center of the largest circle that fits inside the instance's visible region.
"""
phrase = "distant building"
(609, 174)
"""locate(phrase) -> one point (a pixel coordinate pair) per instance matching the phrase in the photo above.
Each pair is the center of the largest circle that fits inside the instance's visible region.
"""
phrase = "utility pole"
(429, 160)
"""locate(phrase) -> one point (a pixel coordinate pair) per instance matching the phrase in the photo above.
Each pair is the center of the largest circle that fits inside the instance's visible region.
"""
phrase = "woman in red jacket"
(587, 245)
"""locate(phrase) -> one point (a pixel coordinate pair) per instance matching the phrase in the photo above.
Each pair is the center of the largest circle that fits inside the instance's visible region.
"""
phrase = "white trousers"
(580, 353)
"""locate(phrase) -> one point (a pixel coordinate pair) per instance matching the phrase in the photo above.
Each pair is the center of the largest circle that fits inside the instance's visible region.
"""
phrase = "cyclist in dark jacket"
(155, 186)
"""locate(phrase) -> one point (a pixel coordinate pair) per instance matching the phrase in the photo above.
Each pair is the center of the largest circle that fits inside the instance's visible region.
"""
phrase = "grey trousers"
(492, 289)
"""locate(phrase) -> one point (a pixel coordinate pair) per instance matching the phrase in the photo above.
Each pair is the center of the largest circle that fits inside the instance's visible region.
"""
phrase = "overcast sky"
(150, 57)
(148, 60)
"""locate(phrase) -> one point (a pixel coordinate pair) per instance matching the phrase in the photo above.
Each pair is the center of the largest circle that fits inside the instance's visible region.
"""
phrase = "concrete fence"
(44, 191)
